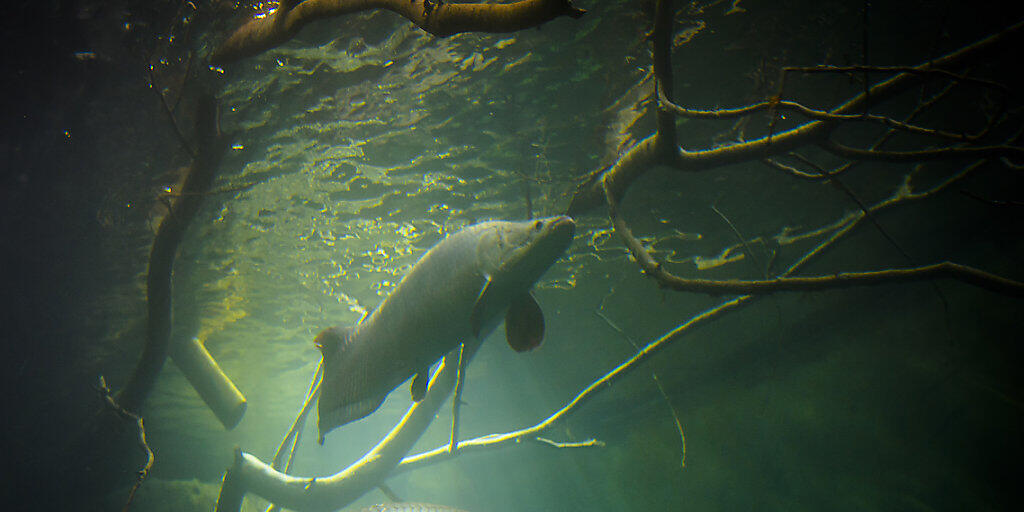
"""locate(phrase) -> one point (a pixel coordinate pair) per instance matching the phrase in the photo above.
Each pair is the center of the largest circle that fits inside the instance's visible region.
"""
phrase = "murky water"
(364, 141)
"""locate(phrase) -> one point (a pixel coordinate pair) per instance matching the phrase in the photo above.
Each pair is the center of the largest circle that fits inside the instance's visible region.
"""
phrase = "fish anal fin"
(419, 385)
(524, 324)
(347, 413)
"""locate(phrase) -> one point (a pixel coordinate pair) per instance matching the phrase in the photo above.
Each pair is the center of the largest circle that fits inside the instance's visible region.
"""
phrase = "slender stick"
(105, 394)
(300, 419)
(460, 376)
(675, 418)
(294, 434)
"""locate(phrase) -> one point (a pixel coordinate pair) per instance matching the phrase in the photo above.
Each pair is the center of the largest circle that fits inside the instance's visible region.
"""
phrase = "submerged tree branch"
(944, 270)
(923, 155)
(212, 146)
(140, 428)
(249, 474)
(617, 178)
(918, 70)
(819, 115)
(493, 441)
(438, 18)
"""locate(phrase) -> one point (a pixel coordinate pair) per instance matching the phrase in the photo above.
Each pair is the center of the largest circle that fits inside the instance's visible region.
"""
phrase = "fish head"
(522, 251)
(340, 399)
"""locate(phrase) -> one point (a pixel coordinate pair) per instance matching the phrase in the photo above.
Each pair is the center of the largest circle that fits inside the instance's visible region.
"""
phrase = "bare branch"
(643, 156)
(675, 418)
(914, 70)
(820, 115)
(105, 394)
(571, 444)
(792, 171)
(923, 155)
(460, 376)
(944, 270)
(168, 110)
(500, 440)
(653, 269)
(249, 474)
(441, 19)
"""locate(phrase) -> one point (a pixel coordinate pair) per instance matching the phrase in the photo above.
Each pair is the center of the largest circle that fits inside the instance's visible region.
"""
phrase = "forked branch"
(647, 154)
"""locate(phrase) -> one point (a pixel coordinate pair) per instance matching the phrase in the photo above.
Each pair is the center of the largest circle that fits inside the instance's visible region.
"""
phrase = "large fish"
(458, 291)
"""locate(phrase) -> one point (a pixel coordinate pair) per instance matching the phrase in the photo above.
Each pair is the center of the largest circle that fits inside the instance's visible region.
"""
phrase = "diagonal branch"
(819, 115)
(948, 270)
(1004, 151)
(944, 270)
(140, 428)
(249, 474)
(918, 70)
(438, 18)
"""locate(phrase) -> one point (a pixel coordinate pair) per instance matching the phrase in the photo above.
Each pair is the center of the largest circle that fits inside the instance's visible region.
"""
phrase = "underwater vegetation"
(772, 250)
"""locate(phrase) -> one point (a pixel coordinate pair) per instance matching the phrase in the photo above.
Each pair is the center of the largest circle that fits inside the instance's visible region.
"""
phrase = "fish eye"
(537, 225)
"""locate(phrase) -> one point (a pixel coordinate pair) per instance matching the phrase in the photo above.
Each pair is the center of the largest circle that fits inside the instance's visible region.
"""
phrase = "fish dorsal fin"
(524, 324)
(332, 339)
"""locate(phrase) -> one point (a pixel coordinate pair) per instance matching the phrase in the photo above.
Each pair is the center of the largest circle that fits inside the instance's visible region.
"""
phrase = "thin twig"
(992, 202)
(820, 115)
(792, 171)
(761, 269)
(654, 375)
(675, 417)
(666, 279)
(294, 434)
(185, 145)
(923, 155)
(460, 375)
(913, 70)
(571, 444)
(105, 393)
(946, 270)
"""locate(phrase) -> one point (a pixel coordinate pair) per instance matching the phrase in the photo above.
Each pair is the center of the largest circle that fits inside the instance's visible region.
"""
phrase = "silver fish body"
(458, 291)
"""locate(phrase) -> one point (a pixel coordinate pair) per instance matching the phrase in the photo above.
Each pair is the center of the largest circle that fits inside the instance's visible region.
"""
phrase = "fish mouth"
(557, 235)
(563, 227)
(528, 262)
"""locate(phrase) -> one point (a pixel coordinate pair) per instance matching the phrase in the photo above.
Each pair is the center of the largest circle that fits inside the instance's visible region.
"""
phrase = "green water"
(364, 140)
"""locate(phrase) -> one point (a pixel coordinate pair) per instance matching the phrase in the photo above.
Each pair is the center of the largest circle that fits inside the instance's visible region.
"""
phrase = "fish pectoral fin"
(524, 324)
(419, 385)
